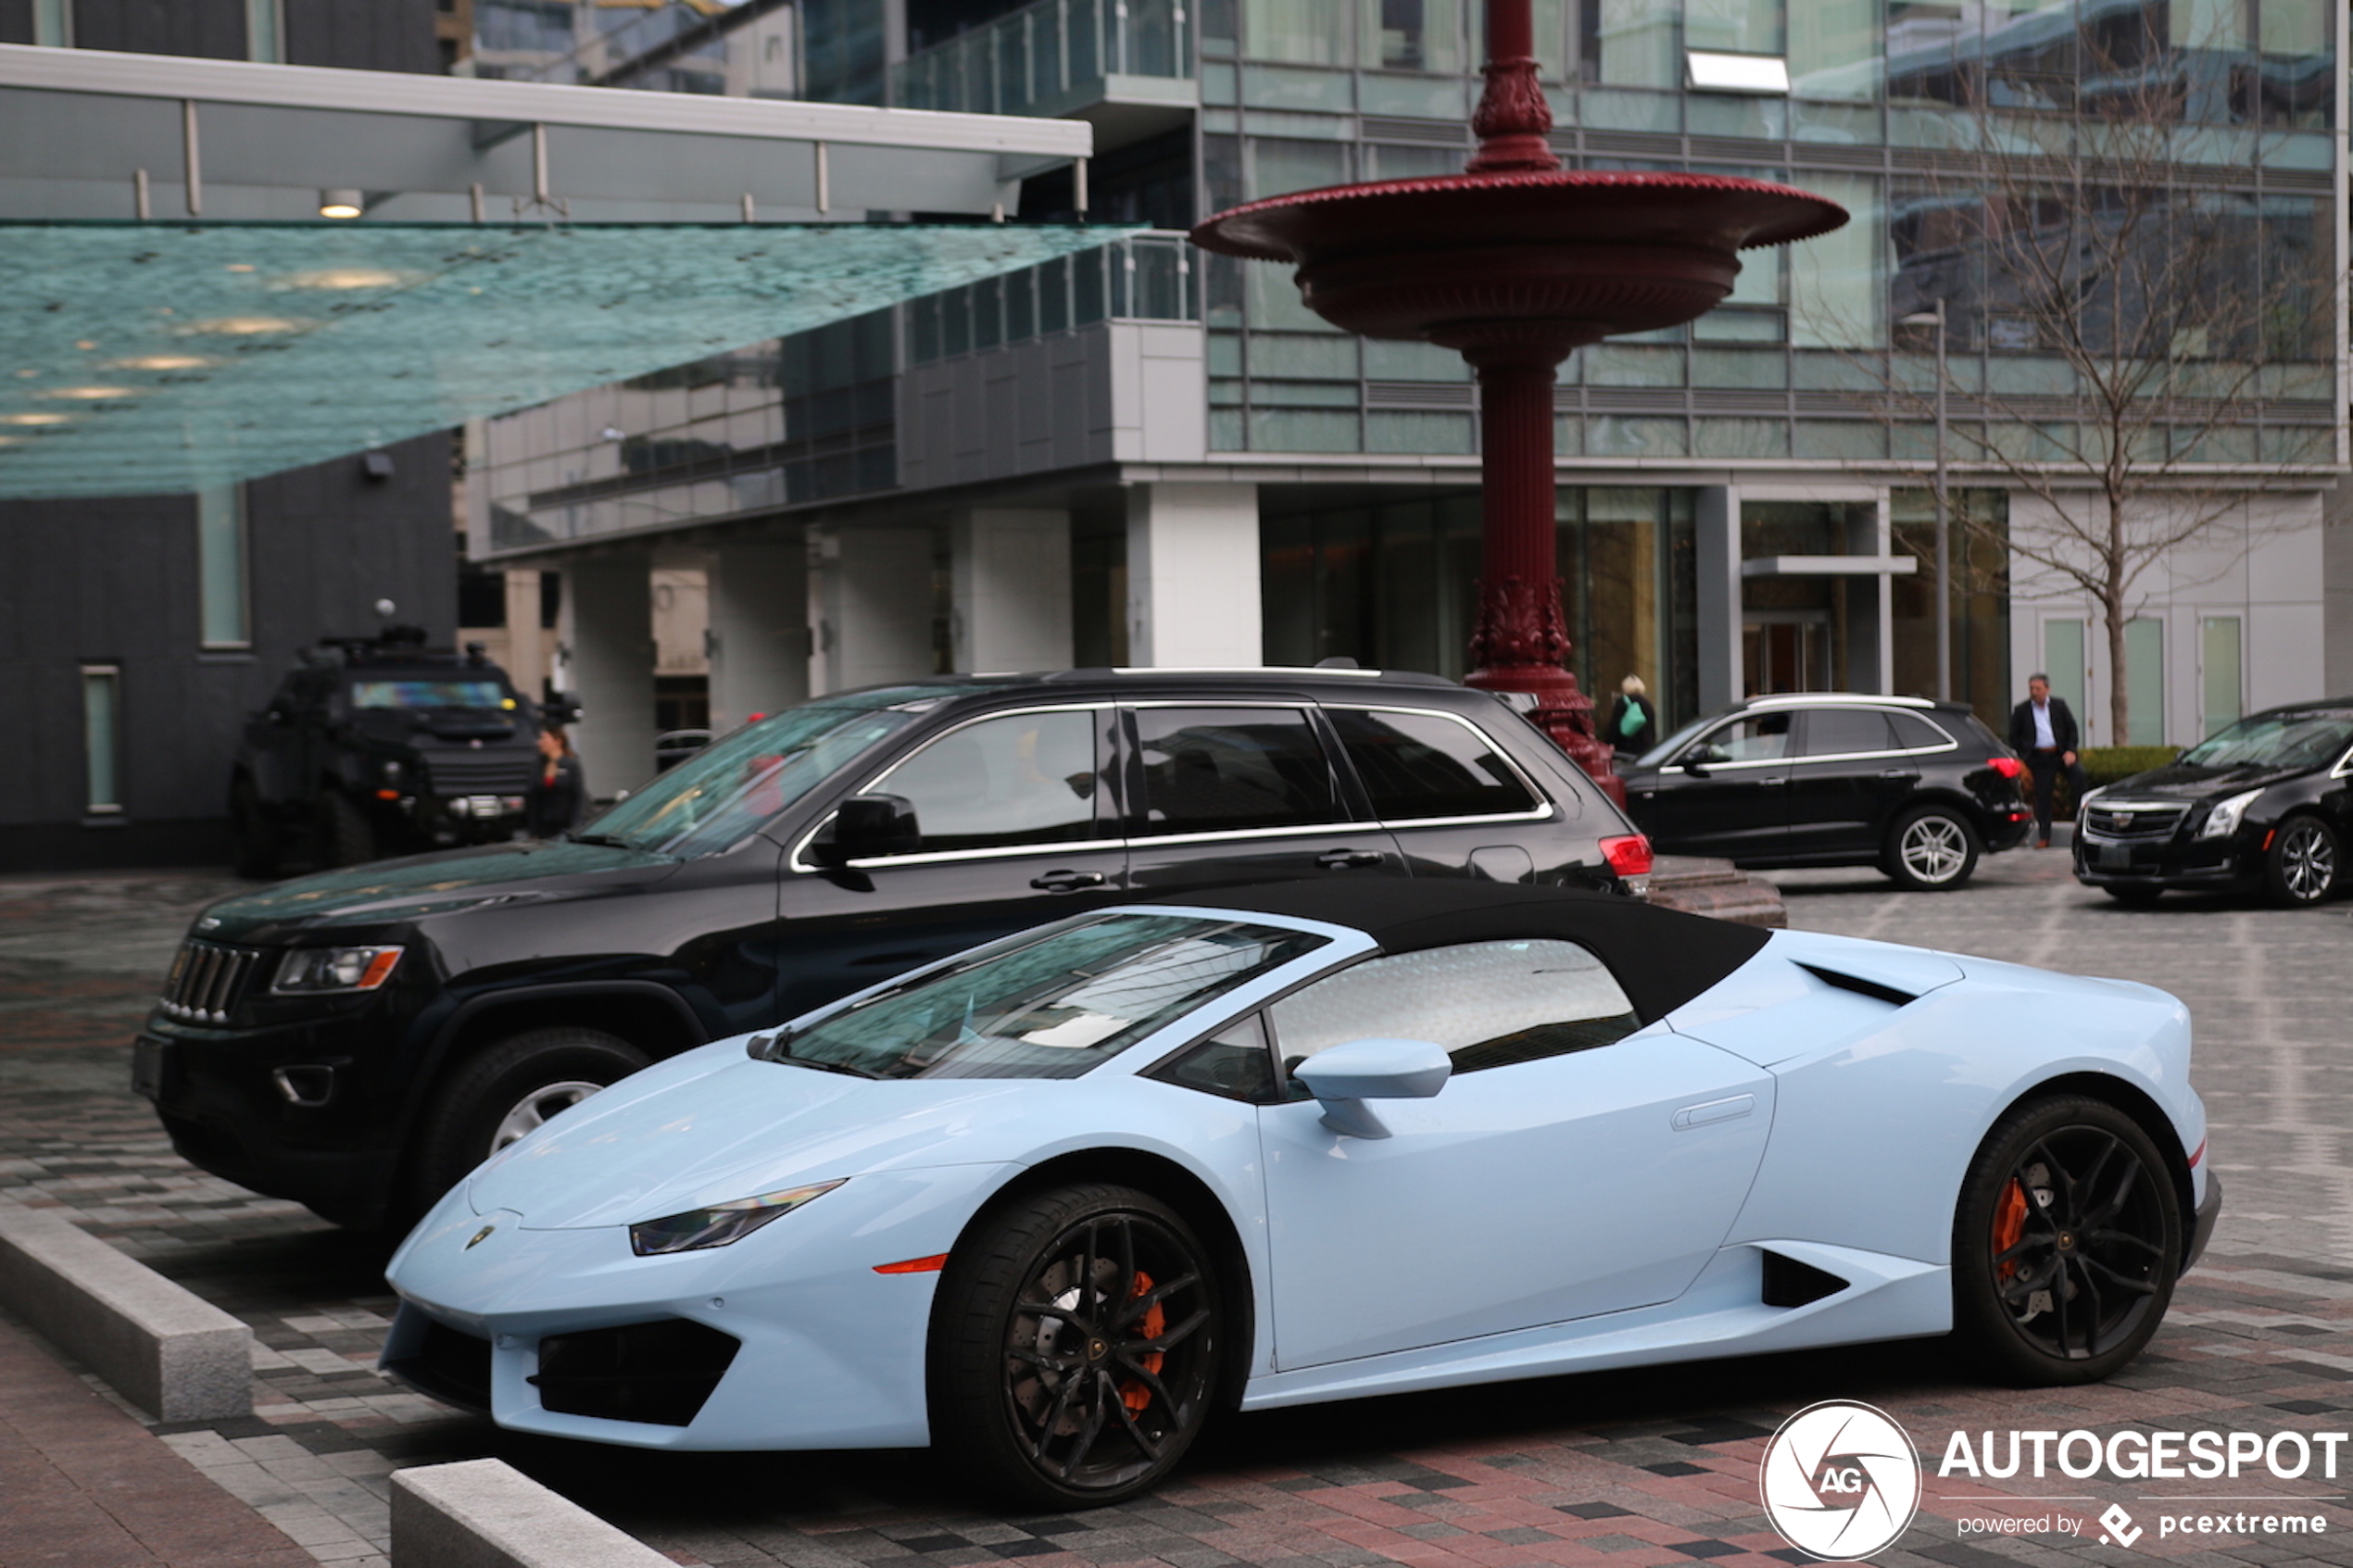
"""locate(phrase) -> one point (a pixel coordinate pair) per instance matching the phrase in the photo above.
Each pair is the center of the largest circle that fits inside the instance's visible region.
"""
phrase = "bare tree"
(2134, 305)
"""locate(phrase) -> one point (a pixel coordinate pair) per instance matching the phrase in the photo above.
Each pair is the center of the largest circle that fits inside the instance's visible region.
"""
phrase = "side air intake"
(1860, 986)
(1789, 1283)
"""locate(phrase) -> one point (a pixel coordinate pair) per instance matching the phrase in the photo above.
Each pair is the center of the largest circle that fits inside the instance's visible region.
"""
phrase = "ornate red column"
(1520, 640)
(1513, 263)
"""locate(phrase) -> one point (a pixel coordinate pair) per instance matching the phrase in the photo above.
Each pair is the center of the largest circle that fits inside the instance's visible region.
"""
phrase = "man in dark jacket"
(2042, 731)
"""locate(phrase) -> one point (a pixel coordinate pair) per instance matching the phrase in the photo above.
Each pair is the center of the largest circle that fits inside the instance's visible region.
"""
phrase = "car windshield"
(430, 694)
(2274, 740)
(1053, 1006)
(715, 798)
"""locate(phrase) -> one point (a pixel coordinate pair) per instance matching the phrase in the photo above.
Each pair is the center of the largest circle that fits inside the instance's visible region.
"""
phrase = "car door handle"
(1066, 881)
(1339, 859)
(1730, 1109)
(1896, 772)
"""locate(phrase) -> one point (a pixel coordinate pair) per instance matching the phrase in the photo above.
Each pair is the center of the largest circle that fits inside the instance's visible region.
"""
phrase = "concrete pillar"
(607, 631)
(871, 602)
(1716, 546)
(526, 653)
(1010, 572)
(1871, 605)
(1192, 575)
(759, 629)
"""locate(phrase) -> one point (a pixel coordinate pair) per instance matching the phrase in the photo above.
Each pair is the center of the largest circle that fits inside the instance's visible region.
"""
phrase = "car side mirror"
(1694, 768)
(1344, 1077)
(867, 825)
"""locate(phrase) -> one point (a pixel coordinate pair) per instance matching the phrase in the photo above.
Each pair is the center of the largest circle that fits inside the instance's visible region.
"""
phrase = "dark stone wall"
(114, 581)
(214, 29)
(362, 34)
(16, 22)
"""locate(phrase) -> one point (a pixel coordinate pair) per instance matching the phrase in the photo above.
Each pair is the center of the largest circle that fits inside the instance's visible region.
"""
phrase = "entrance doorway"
(1786, 651)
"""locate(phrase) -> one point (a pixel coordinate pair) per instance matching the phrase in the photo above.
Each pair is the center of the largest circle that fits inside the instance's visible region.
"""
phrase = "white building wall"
(2261, 562)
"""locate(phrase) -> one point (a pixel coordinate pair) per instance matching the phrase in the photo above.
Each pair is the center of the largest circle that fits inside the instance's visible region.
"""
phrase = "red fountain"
(1514, 263)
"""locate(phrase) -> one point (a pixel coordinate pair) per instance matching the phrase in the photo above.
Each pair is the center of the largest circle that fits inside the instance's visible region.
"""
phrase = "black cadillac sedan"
(2266, 805)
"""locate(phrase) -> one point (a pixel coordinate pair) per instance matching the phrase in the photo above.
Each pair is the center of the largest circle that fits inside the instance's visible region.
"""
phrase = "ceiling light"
(243, 326)
(89, 393)
(35, 419)
(341, 204)
(160, 362)
(348, 278)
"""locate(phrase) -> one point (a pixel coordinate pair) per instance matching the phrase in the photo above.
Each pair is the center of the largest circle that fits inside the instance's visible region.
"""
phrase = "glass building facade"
(1971, 139)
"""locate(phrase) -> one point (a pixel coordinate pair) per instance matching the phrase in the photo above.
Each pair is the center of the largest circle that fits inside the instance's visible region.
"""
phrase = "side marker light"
(930, 1265)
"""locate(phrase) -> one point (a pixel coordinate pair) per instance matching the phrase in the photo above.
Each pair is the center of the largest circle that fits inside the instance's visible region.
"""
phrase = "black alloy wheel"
(1075, 1347)
(2065, 1243)
(2301, 867)
(504, 1091)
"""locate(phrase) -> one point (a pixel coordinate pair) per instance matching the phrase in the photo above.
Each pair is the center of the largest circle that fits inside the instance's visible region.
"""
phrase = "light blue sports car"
(1052, 1203)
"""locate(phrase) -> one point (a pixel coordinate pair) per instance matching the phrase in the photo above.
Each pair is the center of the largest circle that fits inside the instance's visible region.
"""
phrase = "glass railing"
(1146, 277)
(1040, 52)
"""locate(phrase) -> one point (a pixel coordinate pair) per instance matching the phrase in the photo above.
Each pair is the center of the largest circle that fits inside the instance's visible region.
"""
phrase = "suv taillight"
(2009, 767)
(1628, 856)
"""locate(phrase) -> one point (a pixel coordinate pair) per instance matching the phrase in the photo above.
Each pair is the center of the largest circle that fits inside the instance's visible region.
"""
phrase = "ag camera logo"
(1840, 1480)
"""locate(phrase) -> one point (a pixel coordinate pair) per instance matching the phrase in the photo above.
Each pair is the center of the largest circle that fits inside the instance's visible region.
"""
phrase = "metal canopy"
(147, 358)
(81, 132)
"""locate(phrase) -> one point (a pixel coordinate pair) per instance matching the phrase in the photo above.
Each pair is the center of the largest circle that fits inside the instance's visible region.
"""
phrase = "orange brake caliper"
(1132, 1394)
(2009, 1223)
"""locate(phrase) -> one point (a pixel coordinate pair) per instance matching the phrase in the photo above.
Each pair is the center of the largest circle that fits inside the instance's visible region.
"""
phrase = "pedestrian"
(560, 789)
(1633, 723)
(2042, 731)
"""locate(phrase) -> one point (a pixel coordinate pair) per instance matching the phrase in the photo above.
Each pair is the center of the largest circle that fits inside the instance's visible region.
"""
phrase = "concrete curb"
(160, 1346)
(485, 1513)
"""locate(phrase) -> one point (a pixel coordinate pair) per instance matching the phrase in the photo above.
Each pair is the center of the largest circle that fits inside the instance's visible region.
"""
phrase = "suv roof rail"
(1284, 671)
(1791, 699)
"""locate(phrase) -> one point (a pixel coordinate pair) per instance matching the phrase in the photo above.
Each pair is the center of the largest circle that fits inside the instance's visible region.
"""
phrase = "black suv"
(359, 1040)
(1918, 789)
(379, 746)
(2266, 804)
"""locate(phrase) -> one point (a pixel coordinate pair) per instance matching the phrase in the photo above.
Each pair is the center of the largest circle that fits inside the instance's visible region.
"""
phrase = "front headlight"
(2225, 819)
(335, 969)
(720, 1223)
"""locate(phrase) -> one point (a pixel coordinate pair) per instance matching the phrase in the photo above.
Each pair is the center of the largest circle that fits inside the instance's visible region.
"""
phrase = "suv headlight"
(2225, 819)
(335, 969)
(720, 1222)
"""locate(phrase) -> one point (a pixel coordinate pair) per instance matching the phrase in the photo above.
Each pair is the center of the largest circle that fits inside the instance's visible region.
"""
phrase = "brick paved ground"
(1627, 1468)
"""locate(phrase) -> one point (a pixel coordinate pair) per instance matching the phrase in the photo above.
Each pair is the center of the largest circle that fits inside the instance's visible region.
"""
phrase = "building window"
(2145, 680)
(102, 737)
(2220, 680)
(220, 567)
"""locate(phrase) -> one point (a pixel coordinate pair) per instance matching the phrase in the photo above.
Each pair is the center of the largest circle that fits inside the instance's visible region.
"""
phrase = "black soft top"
(1661, 957)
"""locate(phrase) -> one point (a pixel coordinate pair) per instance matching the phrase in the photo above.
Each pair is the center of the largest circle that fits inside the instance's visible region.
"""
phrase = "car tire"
(2303, 864)
(258, 847)
(2067, 1205)
(2131, 894)
(345, 835)
(1099, 1400)
(1930, 849)
(500, 1094)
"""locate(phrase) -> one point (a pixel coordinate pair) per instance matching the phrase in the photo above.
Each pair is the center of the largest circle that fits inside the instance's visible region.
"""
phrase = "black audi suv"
(359, 1040)
(2265, 805)
(1920, 789)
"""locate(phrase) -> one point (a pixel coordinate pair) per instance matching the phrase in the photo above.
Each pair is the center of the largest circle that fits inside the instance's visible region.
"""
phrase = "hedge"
(2106, 764)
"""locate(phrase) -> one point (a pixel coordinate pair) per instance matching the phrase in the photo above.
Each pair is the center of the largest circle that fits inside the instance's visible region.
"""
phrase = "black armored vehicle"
(380, 746)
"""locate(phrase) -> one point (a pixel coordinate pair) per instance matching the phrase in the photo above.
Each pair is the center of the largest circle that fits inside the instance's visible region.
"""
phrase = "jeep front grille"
(496, 776)
(206, 980)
